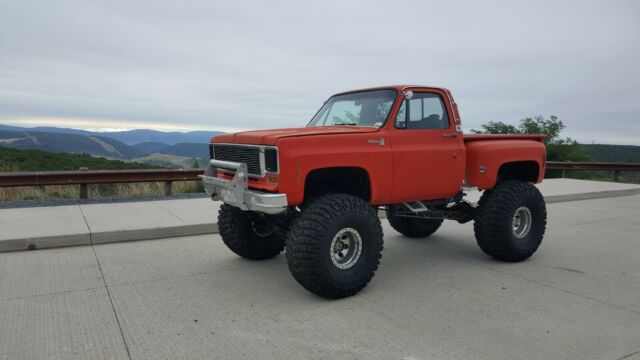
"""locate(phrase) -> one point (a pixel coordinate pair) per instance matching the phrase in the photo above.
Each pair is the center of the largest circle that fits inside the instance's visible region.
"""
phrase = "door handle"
(376, 141)
(452, 135)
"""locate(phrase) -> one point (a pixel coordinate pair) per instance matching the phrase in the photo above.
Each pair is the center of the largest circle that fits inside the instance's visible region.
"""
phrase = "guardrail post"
(84, 188)
(168, 187)
(84, 191)
(616, 175)
(564, 173)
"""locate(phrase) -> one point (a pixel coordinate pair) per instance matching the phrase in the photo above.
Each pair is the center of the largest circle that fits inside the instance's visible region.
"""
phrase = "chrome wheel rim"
(521, 223)
(345, 248)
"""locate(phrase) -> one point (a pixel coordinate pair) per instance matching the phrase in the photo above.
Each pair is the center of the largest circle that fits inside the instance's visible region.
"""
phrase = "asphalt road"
(437, 298)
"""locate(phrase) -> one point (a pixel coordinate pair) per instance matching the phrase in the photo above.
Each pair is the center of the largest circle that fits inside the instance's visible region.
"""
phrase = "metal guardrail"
(168, 176)
(86, 177)
(615, 168)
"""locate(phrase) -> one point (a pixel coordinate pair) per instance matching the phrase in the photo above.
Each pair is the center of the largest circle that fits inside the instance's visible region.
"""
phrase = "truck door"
(428, 151)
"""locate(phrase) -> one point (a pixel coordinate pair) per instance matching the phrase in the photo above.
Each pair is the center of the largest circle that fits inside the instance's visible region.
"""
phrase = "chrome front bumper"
(236, 191)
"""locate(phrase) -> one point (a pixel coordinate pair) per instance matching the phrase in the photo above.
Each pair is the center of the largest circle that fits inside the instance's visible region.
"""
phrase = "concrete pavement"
(59, 226)
(578, 297)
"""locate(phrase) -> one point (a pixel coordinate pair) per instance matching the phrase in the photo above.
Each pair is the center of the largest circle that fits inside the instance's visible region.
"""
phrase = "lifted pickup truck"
(316, 190)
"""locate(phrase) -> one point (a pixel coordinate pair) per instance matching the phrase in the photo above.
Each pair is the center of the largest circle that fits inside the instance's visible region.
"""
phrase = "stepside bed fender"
(522, 159)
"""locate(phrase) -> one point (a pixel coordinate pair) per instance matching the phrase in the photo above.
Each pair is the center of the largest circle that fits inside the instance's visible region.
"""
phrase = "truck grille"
(249, 155)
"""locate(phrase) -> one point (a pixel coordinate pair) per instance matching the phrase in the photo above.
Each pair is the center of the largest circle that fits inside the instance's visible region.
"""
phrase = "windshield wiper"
(344, 123)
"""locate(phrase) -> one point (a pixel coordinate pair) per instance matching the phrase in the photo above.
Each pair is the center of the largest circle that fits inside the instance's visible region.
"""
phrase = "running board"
(417, 206)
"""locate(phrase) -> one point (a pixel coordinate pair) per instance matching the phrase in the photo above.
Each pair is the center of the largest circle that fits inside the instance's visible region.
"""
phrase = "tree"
(558, 148)
(497, 127)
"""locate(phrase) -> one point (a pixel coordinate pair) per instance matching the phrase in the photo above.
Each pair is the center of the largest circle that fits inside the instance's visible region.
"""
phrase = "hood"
(270, 137)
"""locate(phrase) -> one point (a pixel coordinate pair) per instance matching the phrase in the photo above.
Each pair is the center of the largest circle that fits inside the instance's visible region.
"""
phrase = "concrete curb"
(591, 195)
(212, 228)
(153, 233)
(45, 242)
(105, 237)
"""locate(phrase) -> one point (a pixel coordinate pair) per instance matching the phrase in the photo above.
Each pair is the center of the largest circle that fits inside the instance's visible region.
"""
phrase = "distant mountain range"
(130, 137)
(181, 149)
(150, 147)
(69, 143)
(135, 145)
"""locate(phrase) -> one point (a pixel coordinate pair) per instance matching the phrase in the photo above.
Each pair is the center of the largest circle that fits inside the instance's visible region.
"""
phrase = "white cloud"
(232, 65)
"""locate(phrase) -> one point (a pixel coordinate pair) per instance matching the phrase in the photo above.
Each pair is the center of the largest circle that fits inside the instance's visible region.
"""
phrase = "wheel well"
(521, 170)
(347, 180)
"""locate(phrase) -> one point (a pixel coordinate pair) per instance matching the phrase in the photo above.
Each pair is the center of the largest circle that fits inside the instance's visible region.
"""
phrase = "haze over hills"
(69, 143)
(149, 146)
(130, 137)
(187, 149)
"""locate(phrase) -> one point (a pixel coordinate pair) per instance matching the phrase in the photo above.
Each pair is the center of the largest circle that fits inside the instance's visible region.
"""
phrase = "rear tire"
(411, 227)
(247, 234)
(334, 246)
(510, 221)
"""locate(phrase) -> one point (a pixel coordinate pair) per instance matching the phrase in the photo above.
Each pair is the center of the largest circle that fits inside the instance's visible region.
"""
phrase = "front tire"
(411, 227)
(248, 234)
(510, 221)
(334, 246)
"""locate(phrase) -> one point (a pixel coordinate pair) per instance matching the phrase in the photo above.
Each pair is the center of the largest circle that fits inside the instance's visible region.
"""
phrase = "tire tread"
(494, 208)
(304, 243)
(235, 230)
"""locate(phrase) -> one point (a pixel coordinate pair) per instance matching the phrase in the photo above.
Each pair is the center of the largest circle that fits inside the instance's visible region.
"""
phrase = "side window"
(425, 111)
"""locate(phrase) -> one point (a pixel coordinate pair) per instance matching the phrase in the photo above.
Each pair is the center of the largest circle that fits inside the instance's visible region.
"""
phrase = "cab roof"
(393, 87)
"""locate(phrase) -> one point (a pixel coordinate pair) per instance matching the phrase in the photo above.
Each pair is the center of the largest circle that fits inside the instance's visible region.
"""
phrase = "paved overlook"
(438, 298)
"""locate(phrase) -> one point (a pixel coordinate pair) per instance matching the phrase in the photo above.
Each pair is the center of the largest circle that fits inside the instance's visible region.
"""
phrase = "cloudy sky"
(230, 65)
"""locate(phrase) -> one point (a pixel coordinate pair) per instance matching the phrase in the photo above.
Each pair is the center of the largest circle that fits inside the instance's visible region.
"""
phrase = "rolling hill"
(130, 137)
(38, 160)
(192, 150)
(613, 153)
(150, 147)
(157, 148)
(170, 138)
(69, 143)
(169, 161)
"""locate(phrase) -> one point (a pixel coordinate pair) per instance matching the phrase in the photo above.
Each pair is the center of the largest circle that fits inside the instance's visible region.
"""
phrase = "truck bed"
(488, 153)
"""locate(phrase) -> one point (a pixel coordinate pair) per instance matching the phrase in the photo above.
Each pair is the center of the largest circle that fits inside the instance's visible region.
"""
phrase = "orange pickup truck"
(316, 190)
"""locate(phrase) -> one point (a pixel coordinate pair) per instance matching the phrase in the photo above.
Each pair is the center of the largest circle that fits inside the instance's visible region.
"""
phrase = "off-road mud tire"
(236, 228)
(411, 227)
(309, 245)
(494, 221)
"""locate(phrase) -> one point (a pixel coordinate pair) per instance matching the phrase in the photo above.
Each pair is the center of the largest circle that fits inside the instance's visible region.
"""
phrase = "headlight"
(271, 160)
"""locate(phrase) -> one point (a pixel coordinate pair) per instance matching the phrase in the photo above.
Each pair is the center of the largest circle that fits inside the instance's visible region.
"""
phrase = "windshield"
(367, 108)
